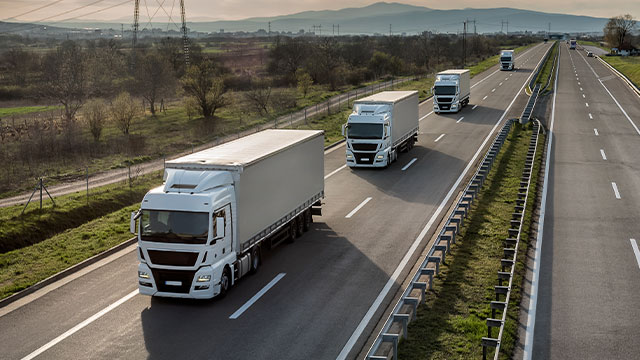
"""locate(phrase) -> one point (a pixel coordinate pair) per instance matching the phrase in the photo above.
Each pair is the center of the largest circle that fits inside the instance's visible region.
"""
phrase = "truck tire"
(225, 282)
(308, 220)
(292, 232)
(255, 260)
(300, 225)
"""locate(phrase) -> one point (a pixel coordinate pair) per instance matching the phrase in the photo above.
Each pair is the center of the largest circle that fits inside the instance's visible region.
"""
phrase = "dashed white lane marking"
(78, 327)
(363, 203)
(587, 104)
(439, 137)
(474, 107)
(459, 119)
(604, 156)
(257, 296)
(425, 116)
(615, 190)
(494, 90)
(485, 97)
(409, 164)
(579, 83)
(584, 97)
(595, 131)
(636, 251)
(335, 171)
(590, 116)
(500, 84)
(505, 79)
(581, 89)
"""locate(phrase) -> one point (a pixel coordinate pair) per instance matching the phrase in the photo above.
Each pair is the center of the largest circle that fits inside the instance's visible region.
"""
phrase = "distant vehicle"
(204, 228)
(572, 44)
(507, 60)
(545, 40)
(451, 90)
(380, 126)
(589, 54)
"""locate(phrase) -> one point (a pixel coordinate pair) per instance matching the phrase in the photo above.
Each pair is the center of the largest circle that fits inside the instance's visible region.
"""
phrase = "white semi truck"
(380, 126)
(204, 228)
(507, 60)
(451, 90)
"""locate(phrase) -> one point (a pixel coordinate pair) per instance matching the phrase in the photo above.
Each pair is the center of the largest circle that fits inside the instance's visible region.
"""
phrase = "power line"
(34, 10)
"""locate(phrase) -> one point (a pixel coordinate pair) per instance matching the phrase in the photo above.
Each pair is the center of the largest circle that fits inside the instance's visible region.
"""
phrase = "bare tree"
(259, 97)
(202, 81)
(154, 79)
(618, 29)
(64, 78)
(95, 114)
(123, 110)
(304, 82)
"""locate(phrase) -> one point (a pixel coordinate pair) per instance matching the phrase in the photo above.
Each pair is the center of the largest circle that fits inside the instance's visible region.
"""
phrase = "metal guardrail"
(395, 327)
(526, 114)
(510, 252)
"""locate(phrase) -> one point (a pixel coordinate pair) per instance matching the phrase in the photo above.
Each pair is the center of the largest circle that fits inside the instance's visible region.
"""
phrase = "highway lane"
(332, 274)
(589, 285)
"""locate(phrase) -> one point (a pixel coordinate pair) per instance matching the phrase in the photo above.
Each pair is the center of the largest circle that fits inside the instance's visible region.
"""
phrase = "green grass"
(544, 77)
(24, 267)
(628, 65)
(4, 112)
(18, 231)
(452, 321)
(593, 43)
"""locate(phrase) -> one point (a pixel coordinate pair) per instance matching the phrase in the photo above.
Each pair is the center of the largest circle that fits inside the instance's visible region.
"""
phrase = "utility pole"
(390, 30)
(549, 32)
(122, 31)
(185, 38)
(136, 16)
(338, 29)
(269, 33)
(464, 43)
(320, 27)
(334, 30)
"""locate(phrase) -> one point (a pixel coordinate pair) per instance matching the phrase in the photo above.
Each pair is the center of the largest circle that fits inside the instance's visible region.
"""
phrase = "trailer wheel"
(255, 260)
(308, 220)
(300, 225)
(292, 232)
(225, 282)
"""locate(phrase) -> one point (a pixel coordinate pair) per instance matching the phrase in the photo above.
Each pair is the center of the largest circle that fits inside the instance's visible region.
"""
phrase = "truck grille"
(443, 107)
(173, 258)
(184, 277)
(444, 100)
(364, 158)
(364, 147)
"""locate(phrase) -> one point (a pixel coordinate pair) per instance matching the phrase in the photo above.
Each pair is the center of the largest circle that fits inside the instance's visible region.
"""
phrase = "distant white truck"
(507, 60)
(572, 44)
(380, 126)
(204, 228)
(451, 90)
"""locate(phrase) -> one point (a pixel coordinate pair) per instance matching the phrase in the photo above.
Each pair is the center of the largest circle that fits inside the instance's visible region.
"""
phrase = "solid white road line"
(257, 296)
(78, 327)
(636, 251)
(439, 137)
(459, 119)
(533, 297)
(363, 203)
(596, 132)
(474, 107)
(334, 171)
(394, 277)
(590, 116)
(620, 107)
(409, 164)
(615, 190)
(604, 156)
(485, 97)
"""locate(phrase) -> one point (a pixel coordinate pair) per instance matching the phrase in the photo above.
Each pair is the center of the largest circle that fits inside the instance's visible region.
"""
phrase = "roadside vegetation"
(452, 321)
(545, 77)
(628, 65)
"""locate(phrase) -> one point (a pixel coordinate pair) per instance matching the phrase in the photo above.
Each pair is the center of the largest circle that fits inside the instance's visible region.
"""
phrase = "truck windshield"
(174, 226)
(505, 58)
(364, 131)
(445, 90)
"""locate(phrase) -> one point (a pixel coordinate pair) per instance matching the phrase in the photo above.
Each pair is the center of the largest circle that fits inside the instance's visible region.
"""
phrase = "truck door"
(222, 217)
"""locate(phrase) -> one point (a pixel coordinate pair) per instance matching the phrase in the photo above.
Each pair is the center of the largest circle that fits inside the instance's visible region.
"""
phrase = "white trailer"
(507, 60)
(204, 228)
(451, 90)
(380, 126)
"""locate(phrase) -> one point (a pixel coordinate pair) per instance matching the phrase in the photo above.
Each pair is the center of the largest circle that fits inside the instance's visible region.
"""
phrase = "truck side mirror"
(132, 223)
(219, 233)
(344, 129)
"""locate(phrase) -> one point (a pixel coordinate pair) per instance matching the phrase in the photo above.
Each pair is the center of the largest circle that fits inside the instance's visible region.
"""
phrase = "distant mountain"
(377, 17)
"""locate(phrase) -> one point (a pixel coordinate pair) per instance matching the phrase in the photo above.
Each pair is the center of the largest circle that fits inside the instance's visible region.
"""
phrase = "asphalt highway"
(322, 291)
(589, 273)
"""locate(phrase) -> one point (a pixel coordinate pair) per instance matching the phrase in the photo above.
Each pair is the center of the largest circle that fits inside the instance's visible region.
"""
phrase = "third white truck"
(451, 90)
(380, 126)
(507, 60)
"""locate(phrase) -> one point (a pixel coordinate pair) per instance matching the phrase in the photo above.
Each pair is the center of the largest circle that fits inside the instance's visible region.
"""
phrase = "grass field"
(23, 110)
(452, 321)
(545, 77)
(628, 65)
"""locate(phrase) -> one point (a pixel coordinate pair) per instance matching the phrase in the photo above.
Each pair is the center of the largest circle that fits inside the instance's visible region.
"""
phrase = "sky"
(198, 10)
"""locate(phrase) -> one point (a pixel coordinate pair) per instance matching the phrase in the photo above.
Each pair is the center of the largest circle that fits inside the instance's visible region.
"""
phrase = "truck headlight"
(349, 156)
(143, 275)
(380, 157)
(204, 278)
(454, 106)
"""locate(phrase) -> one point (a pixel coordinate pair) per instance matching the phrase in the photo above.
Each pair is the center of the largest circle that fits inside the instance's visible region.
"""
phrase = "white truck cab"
(451, 90)
(507, 60)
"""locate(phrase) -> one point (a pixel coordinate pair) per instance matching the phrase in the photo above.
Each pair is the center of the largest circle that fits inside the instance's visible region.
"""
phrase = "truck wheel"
(308, 220)
(300, 225)
(225, 282)
(292, 233)
(255, 260)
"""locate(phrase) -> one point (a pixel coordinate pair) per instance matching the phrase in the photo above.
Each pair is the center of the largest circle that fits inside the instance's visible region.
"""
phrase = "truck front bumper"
(446, 108)
(379, 159)
(178, 283)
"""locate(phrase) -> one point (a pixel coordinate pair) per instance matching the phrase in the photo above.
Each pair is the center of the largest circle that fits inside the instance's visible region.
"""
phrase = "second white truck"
(205, 227)
(451, 90)
(507, 60)
(380, 126)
